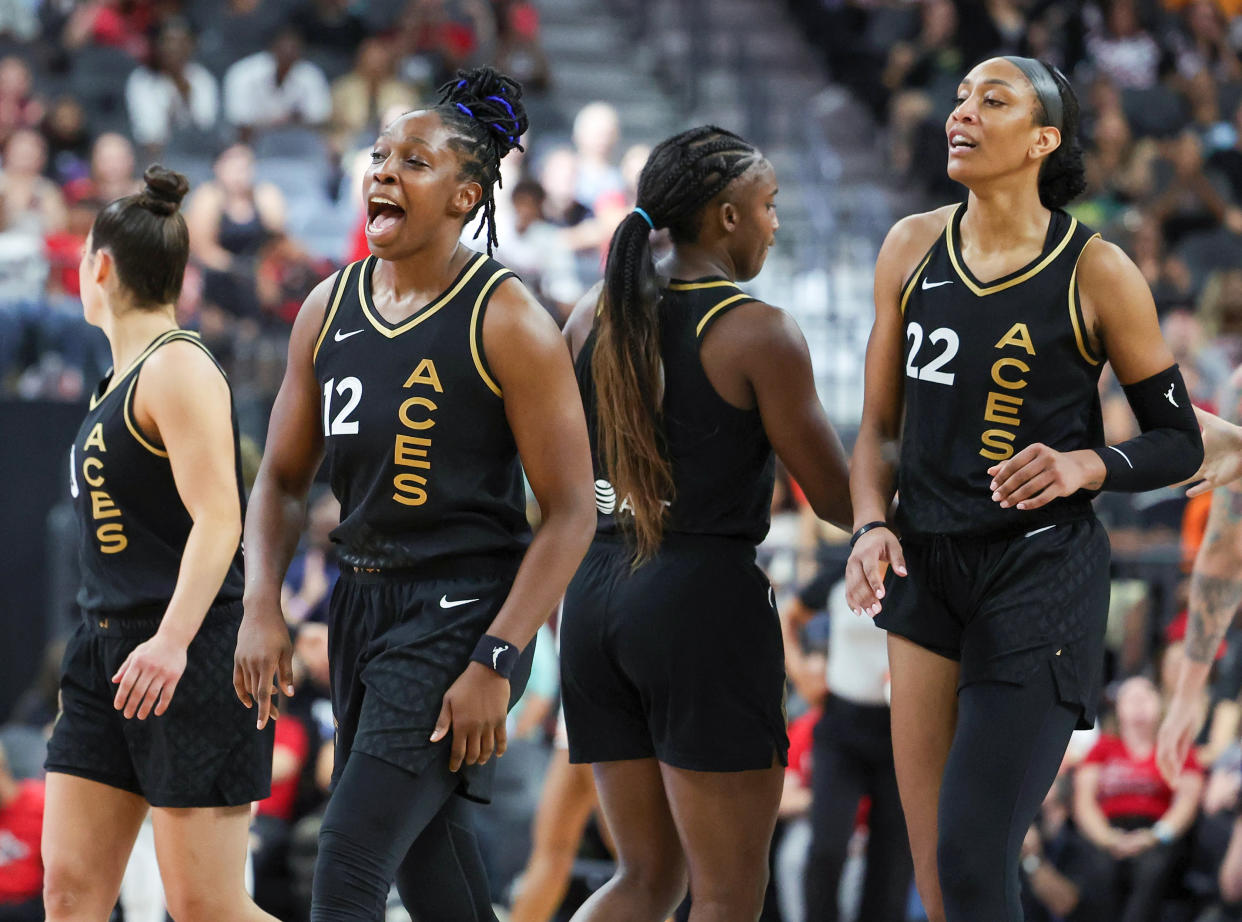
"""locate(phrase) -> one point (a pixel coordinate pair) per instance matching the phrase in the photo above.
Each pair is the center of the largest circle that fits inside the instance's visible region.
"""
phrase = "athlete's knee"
(348, 883)
(972, 874)
(660, 883)
(732, 897)
(203, 903)
(70, 891)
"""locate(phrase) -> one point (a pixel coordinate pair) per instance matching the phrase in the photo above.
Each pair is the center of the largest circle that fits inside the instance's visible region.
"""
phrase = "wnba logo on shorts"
(605, 497)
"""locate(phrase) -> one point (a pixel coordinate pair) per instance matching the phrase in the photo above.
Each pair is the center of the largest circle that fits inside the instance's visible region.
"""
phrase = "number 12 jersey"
(420, 452)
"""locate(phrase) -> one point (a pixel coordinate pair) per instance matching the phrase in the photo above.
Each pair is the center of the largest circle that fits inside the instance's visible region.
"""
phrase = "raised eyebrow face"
(991, 81)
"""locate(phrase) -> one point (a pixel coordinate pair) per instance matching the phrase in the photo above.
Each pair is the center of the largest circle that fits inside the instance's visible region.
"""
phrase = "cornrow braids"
(484, 109)
(682, 176)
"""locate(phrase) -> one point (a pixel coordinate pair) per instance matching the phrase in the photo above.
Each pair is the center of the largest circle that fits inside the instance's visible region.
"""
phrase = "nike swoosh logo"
(445, 603)
(342, 336)
(927, 284)
(1038, 530)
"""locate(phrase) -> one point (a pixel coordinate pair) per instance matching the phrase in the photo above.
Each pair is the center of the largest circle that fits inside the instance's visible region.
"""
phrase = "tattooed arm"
(1215, 595)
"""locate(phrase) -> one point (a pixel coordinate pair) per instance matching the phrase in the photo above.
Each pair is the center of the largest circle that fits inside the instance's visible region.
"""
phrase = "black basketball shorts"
(1005, 606)
(397, 640)
(681, 660)
(204, 751)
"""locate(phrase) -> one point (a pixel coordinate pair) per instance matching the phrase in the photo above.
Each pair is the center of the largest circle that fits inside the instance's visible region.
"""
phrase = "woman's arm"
(873, 468)
(182, 402)
(202, 218)
(276, 511)
(527, 356)
(777, 363)
(269, 201)
(1088, 816)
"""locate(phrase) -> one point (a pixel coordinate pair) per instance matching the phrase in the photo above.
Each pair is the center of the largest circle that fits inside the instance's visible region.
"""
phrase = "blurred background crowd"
(269, 106)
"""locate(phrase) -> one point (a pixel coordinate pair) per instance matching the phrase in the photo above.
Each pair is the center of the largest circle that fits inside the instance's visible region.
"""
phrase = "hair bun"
(491, 98)
(164, 190)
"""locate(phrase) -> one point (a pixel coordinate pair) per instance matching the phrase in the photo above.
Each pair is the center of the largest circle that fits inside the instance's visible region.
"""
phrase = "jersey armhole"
(1077, 320)
(476, 328)
(334, 301)
(719, 309)
(907, 287)
(131, 421)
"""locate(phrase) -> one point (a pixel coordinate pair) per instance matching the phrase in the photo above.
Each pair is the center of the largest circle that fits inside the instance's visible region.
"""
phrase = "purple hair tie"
(464, 109)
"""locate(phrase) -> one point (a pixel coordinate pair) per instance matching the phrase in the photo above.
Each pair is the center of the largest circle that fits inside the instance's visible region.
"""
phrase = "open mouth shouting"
(384, 216)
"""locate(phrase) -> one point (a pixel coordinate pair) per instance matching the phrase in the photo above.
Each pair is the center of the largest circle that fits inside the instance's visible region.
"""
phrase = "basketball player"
(672, 663)
(993, 320)
(148, 717)
(423, 371)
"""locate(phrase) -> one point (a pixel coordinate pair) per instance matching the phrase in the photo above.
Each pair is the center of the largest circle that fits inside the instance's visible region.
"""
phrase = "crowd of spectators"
(270, 108)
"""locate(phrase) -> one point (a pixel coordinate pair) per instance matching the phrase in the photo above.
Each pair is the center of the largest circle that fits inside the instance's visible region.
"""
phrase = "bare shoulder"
(514, 311)
(181, 363)
(582, 319)
(1105, 263)
(757, 328)
(908, 241)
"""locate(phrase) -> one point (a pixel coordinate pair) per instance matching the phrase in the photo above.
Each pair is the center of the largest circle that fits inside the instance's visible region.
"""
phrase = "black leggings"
(853, 758)
(384, 823)
(1008, 746)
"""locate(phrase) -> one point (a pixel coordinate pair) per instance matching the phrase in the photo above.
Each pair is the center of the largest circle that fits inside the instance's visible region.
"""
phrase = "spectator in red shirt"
(21, 828)
(1125, 808)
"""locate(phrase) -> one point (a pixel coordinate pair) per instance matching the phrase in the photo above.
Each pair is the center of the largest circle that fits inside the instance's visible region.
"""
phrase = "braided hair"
(683, 174)
(484, 109)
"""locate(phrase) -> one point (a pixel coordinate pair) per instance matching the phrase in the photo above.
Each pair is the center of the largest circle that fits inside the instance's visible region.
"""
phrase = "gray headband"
(1045, 86)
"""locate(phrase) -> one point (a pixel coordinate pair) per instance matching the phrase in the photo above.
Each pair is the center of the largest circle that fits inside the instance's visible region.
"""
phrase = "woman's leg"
(564, 808)
(924, 708)
(651, 867)
(203, 853)
(376, 813)
(725, 821)
(88, 831)
(1008, 747)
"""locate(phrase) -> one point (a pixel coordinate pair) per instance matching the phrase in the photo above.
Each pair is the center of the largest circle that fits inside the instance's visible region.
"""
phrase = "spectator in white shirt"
(276, 88)
(172, 92)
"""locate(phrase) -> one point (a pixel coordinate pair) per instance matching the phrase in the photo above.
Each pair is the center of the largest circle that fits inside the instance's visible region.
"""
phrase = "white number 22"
(931, 371)
(342, 425)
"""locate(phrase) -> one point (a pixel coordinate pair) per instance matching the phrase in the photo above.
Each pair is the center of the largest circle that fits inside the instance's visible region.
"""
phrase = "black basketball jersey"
(420, 451)
(722, 463)
(990, 369)
(132, 523)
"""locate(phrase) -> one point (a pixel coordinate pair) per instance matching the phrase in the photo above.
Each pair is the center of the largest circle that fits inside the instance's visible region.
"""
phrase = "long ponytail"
(682, 175)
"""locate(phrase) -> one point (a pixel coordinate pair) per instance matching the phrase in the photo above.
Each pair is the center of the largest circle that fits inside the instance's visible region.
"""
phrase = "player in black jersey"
(993, 321)
(148, 717)
(672, 663)
(423, 372)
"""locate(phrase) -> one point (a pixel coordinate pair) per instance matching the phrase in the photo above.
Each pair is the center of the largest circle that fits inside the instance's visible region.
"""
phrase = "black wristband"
(498, 655)
(866, 528)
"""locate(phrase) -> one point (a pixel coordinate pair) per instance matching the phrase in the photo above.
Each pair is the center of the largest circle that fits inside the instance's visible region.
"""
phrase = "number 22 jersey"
(420, 452)
(990, 369)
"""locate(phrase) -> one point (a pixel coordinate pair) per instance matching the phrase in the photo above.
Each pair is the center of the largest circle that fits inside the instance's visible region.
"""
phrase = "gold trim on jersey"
(476, 333)
(423, 313)
(1084, 347)
(695, 286)
(982, 290)
(698, 330)
(129, 369)
(133, 426)
(341, 281)
(918, 273)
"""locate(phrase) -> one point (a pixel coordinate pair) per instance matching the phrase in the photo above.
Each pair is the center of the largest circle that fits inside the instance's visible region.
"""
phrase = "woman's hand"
(1222, 454)
(474, 708)
(149, 676)
(1037, 475)
(873, 554)
(263, 651)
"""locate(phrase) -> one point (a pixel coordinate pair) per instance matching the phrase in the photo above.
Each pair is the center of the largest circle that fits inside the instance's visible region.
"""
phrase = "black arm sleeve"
(1170, 448)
